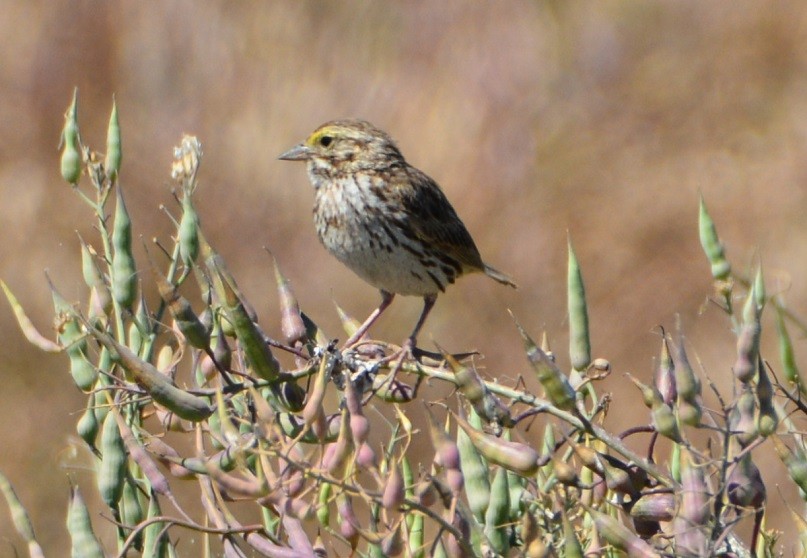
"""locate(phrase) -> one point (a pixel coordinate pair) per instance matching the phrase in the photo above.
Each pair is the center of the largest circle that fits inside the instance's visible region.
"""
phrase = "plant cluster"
(193, 391)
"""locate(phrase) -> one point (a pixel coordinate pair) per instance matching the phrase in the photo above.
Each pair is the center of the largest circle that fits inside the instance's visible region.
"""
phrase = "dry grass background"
(601, 119)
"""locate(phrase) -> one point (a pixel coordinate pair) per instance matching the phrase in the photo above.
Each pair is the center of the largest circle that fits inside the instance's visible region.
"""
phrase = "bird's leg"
(428, 303)
(386, 300)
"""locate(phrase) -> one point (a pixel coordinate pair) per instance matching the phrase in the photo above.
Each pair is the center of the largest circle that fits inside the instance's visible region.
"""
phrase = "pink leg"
(428, 303)
(386, 300)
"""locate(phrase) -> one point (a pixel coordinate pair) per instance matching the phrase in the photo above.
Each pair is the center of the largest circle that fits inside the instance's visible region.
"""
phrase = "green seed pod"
(19, 516)
(571, 543)
(155, 541)
(184, 404)
(84, 542)
(759, 289)
(131, 509)
(323, 504)
(516, 484)
(711, 244)
(187, 322)
(188, 232)
(664, 420)
(87, 426)
(294, 427)
(416, 535)
(83, 373)
(767, 419)
(689, 388)
(620, 536)
(471, 385)
(795, 461)
(257, 353)
(71, 144)
(71, 337)
(477, 479)
(113, 145)
(579, 341)
(124, 271)
(514, 456)
(497, 517)
(112, 469)
(789, 367)
(557, 387)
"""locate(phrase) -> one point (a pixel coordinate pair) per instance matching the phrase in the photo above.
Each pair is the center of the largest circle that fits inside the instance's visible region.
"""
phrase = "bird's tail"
(498, 276)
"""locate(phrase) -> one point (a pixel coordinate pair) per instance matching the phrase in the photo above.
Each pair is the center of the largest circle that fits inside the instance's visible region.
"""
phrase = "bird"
(387, 221)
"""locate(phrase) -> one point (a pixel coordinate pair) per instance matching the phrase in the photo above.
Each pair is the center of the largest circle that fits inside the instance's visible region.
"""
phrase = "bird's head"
(343, 146)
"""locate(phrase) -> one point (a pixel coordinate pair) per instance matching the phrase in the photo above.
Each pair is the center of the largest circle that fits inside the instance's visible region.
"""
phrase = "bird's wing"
(434, 221)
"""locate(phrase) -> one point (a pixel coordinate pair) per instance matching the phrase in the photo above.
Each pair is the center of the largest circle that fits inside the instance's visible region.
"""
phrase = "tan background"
(601, 119)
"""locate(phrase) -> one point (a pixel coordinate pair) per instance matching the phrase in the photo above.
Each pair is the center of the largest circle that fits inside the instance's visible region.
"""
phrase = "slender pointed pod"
(579, 341)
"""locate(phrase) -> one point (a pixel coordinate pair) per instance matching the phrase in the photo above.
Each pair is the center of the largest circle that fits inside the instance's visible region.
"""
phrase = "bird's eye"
(325, 141)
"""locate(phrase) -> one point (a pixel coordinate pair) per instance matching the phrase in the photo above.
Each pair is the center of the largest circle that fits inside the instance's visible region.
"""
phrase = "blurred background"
(603, 121)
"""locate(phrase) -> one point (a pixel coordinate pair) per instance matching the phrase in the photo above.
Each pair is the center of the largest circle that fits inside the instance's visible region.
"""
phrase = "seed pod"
(323, 504)
(741, 419)
(447, 454)
(112, 470)
(689, 388)
(471, 385)
(477, 479)
(294, 427)
(124, 271)
(416, 535)
(337, 455)
(113, 145)
(658, 506)
(745, 368)
(711, 244)
(744, 486)
(313, 411)
(620, 536)
(184, 404)
(497, 515)
(28, 329)
(187, 321)
(767, 418)
(72, 339)
(571, 543)
(788, 359)
(556, 386)
(84, 543)
(394, 391)
(188, 232)
(393, 495)
(71, 144)
(515, 484)
(579, 342)
(19, 516)
(257, 353)
(291, 319)
(795, 461)
(87, 426)
(131, 510)
(664, 420)
(695, 506)
(665, 374)
(534, 547)
(155, 541)
(348, 523)
(515, 456)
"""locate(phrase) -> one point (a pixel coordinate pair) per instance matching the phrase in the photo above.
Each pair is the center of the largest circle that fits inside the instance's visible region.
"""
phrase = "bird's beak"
(297, 153)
